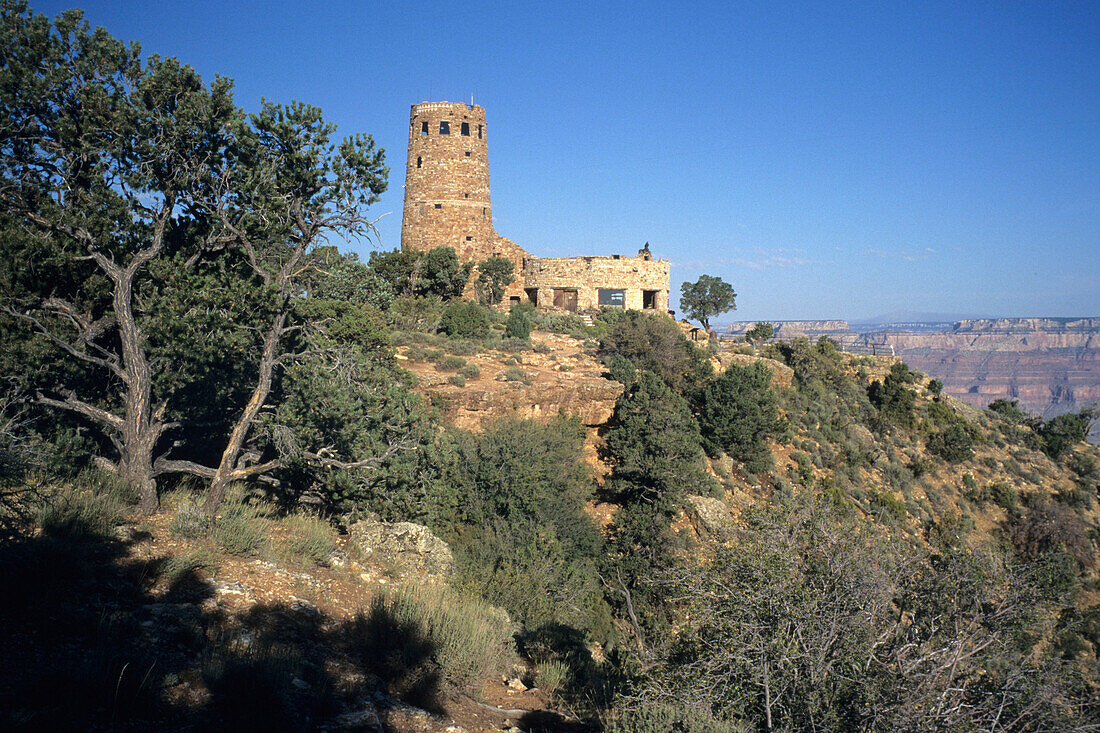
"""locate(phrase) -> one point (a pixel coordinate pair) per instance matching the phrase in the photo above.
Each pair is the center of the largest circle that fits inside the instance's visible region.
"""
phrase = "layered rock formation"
(1050, 365)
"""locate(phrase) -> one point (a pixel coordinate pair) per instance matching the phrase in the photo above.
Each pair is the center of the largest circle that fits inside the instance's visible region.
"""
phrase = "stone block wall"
(644, 282)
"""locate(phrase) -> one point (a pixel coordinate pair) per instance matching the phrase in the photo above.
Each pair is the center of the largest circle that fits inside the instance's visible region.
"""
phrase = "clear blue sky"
(830, 160)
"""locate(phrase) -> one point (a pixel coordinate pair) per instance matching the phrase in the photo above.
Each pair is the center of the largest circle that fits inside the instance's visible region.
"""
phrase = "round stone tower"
(447, 181)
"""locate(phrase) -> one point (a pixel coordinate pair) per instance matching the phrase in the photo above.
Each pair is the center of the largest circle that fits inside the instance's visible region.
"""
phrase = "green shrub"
(622, 370)
(542, 348)
(465, 320)
(511, 504)
(895, 402)
(1084, 466)
(889, 502)
(457, 380)
(462, 347)
(655, 343)
(552, 676)
(514, 374)
(518, 325)
(179, 569)
(1004, 496)
(953, 444)
(514, 345)
(739, 412)
(415, 314)
(940, 414)
(435, 355)
(566, 323)
(660, 716)
(1060, 433)
(450, 364)
(417, 353)
(470, 371)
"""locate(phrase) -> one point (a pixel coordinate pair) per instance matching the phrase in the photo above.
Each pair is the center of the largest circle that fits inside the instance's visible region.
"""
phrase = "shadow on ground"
(88, 645)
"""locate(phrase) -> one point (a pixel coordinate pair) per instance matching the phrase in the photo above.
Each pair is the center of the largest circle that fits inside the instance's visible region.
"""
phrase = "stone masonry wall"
(588, 275)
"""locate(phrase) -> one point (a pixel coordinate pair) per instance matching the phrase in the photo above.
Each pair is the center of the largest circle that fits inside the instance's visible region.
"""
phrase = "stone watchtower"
(447, 184)
(447, 205)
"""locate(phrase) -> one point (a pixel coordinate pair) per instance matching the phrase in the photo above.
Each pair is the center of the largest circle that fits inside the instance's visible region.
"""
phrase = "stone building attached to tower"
(447, 203)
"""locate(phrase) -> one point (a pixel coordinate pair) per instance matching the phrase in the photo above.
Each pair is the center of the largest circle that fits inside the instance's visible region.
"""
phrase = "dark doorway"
(649, 299)
(566, 299)
(532, 295)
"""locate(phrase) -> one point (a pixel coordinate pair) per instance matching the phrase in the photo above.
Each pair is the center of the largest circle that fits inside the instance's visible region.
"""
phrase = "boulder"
(708, 515)
(410, 549)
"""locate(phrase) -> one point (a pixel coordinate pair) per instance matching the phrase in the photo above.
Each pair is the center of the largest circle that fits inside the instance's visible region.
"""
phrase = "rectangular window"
(469, 239)
(613, 297)
(444, 128)
(649, 299)
(466, 129)
(479, 132)
(423, 128)
(439, 206)
(467, 153)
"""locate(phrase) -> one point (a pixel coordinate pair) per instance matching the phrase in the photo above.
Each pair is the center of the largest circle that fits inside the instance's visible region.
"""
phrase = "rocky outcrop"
(781, 373)
(560, 378)
(409, 549)
(592, 399)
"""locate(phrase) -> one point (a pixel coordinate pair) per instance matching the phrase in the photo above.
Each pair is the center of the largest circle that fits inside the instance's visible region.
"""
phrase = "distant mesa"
(1050, 365)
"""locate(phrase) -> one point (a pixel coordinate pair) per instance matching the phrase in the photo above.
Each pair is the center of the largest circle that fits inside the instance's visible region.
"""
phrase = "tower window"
(466, 129)
(467, 153)
(469, 238)
(465, 195)
(445, 127)
(439, 206)
(479, 132)
(423, 128)
(482, 212)
(419, 161)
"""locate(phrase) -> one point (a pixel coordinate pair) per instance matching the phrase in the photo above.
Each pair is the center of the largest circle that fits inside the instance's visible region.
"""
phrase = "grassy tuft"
(188, 521)
(241, 526)
(469, 639)
(302, 537)
(92, 505)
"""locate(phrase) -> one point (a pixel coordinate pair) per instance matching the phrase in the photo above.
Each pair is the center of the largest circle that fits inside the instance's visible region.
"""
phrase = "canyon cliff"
(1050, 365)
